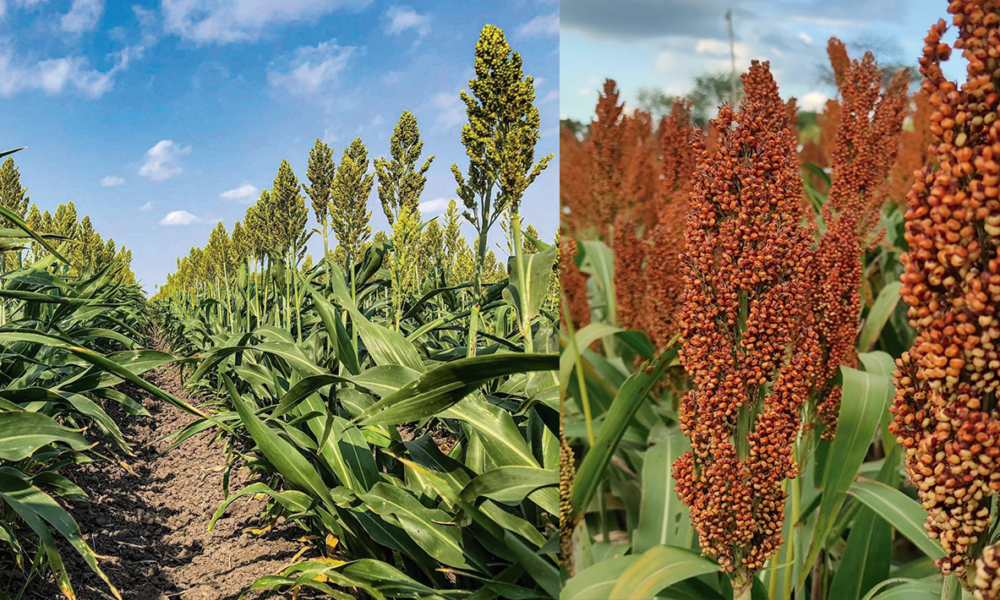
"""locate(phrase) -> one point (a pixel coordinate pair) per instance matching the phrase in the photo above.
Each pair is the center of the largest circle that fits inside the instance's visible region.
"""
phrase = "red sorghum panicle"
(665, 284)
(743, 342)
(914, 150)
(839, 60)
(608, 145)
(639, 187)
(864, 150)
(945, 412)
(574, 183)
(574, 283)
(987, 584)
(630, 277)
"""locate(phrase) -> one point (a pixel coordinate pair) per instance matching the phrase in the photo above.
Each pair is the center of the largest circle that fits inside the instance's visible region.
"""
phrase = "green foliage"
(413, 468)
(68, 336)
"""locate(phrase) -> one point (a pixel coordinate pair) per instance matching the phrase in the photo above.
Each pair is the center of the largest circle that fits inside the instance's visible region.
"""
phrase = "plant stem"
(742, 589)
(477, 291)
(950, 587)
(581, 381)
(525, 324)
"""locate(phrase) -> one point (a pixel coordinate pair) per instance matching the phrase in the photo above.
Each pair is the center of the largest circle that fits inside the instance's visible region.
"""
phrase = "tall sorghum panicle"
(665, 284)
(640, 185)
(608, 150)
(945, 412)
(863, 152)
(840, 62)
(743, 342)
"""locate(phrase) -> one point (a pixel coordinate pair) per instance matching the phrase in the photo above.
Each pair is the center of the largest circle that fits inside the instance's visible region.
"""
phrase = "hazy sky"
(159, 118)
(666, 43)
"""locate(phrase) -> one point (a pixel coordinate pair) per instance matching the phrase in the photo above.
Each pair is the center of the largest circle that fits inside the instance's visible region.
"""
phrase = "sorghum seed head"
(951, 281)
(745, 296)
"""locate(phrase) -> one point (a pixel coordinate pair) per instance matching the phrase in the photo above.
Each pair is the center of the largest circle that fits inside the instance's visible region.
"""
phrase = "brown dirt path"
(150, 521)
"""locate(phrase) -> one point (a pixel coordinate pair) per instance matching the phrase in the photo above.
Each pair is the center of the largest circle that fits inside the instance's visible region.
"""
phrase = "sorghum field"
(778, 369)
(380, 423)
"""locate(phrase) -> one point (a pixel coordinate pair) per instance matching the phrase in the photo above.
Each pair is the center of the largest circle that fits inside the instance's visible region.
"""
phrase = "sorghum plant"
(664, 283)
(745, 297)
(945, 413)
(864, 150)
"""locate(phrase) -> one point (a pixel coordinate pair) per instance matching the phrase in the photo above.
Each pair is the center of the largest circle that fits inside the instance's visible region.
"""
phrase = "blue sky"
(666, 43)
(137, 111)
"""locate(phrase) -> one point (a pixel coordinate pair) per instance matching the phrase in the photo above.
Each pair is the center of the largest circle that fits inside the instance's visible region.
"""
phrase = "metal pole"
(732, 57)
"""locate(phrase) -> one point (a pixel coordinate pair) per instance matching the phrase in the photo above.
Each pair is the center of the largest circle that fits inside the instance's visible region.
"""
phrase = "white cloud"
(229, 21)
(399, 19)
(814, 101)
(541, 25)
(313, 68)
(451, 109)
(434, 207)
(552, 96)
(391, 77)
(112, 181)
(244, 193)
(83, 16)
(147, 206)
(179, 217)
(806, 38)
(53, 76)
(665, 61)
(720, 48)
(56, 75)
(163, 161)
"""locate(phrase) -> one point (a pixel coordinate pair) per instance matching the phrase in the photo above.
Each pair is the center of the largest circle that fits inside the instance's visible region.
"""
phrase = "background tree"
(710, 91)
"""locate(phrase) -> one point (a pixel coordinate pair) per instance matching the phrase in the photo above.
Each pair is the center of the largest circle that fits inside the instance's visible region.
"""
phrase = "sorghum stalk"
(743, 342)
(944, 413)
